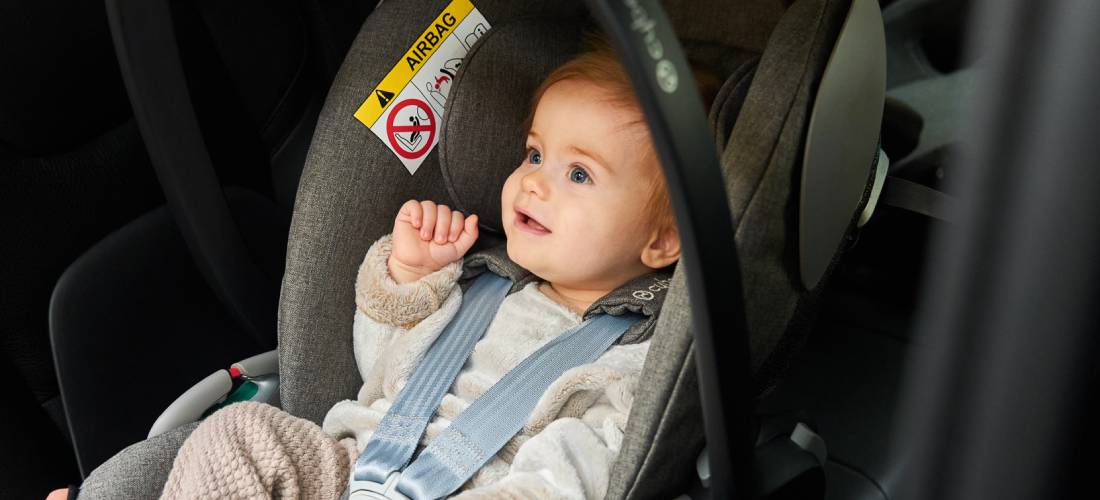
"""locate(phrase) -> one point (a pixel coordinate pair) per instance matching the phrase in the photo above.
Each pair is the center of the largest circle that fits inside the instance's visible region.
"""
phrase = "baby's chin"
(537, 264)
(548, 270)
(523, 260)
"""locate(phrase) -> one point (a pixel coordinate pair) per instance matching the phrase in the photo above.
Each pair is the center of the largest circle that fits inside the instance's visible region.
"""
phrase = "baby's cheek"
(602, 238)
(629, 237)
(507, 193)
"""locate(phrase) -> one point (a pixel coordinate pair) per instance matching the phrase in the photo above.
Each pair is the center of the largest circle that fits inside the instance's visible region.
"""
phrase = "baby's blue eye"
(578, 175)
(534, 156)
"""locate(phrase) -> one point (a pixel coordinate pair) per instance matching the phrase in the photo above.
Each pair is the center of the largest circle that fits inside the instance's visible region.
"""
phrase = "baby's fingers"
(442, 223)
(410, 212)
(468, 236)
(428, 225)
(457, 221)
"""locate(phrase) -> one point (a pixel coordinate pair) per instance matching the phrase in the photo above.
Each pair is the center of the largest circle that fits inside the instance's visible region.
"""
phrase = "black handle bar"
(641, 33)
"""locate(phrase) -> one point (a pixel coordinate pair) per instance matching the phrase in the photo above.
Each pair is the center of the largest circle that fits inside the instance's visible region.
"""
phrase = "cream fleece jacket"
(565, 450)
(568, 444)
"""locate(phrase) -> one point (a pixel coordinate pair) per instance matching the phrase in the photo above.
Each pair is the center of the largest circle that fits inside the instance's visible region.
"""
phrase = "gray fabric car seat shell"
(338, 213)
(352, 186)
(137, 472)
(333, 224)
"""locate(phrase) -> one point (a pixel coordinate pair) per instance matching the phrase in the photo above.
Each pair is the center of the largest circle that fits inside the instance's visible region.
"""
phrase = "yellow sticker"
(413, 60)
(405, 110)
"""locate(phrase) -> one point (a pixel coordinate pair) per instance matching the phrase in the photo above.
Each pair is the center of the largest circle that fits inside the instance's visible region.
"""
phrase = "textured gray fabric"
(664, 432)
(341, 208)
(721, 60)
(745, 24)
(483, 129)
(727, 103)
(761, 164)
(139, 471)
(643, 295)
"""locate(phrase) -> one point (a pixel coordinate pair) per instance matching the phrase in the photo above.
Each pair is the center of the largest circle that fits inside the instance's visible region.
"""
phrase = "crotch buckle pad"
(371, 490)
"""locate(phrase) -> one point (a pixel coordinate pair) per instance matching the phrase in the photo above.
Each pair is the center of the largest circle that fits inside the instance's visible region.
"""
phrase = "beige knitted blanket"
(253, 450)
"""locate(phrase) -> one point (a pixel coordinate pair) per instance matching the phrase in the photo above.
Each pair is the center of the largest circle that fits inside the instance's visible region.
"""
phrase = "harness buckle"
(373, 490)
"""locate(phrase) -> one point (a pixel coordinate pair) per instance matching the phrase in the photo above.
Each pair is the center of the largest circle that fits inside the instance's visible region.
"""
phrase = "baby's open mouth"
(530, 224)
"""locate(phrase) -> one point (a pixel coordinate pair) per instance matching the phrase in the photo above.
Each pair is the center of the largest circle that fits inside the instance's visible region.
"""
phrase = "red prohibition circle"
(392, 130)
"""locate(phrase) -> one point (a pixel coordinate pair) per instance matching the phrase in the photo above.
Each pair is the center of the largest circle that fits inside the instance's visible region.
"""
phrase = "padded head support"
(741, 24)
(483, 134)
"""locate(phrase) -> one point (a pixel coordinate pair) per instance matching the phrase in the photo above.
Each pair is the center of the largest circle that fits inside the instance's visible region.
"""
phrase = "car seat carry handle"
(643, 37)
(394, 442)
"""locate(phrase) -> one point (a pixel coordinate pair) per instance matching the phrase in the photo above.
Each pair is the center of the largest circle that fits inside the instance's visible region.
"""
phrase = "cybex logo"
(649, 293)
(667, 77)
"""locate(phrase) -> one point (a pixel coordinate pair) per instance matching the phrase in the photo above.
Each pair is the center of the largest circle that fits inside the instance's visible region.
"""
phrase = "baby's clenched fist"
(427, 237)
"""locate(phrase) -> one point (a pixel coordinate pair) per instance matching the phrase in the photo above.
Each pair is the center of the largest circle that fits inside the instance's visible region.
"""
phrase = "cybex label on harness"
(406, 107)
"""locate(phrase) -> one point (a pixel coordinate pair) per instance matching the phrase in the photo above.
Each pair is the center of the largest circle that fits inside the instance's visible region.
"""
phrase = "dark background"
(74, 168)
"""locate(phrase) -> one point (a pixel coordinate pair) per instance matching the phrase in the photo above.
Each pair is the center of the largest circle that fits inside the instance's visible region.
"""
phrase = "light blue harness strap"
(490, 421)
(394, 442)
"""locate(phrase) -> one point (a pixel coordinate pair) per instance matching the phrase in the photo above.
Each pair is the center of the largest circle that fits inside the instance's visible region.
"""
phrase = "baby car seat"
(797, 150)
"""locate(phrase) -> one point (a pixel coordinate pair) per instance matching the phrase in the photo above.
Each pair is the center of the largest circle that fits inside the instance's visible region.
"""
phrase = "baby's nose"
(535, 183)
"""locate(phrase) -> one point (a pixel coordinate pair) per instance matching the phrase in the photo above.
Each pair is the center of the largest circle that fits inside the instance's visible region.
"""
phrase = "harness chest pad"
(643, 295)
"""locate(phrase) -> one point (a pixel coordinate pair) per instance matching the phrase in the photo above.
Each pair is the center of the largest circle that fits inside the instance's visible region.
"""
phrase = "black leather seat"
(226, 96)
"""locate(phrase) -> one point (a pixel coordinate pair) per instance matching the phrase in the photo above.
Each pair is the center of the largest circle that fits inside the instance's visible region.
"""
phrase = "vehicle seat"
(225, 96)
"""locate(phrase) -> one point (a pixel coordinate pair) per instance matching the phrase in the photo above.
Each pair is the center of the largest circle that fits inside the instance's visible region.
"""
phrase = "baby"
(585, 212)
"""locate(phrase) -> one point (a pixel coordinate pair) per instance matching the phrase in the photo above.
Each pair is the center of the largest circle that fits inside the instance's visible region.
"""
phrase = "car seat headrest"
(745, 24)
(729, 100)
(483, 131)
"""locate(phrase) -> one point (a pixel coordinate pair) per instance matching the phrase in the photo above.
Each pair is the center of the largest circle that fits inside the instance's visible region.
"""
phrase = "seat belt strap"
(489, 422)
(919, 198)
(394, 442)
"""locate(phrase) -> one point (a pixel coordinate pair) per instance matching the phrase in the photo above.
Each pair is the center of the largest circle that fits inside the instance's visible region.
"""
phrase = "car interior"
(185, 189)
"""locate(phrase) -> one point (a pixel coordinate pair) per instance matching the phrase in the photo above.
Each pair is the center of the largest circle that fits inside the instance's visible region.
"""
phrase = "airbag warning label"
(406, 107)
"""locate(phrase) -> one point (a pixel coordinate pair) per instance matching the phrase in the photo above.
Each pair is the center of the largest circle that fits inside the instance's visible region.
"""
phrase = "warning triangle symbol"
(383, 97)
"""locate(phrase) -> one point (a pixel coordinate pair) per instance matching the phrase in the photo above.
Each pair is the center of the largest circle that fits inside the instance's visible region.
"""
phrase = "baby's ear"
(663, 248)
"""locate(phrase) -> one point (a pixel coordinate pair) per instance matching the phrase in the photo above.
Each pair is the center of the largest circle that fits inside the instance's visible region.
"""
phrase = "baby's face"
(573, 211)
